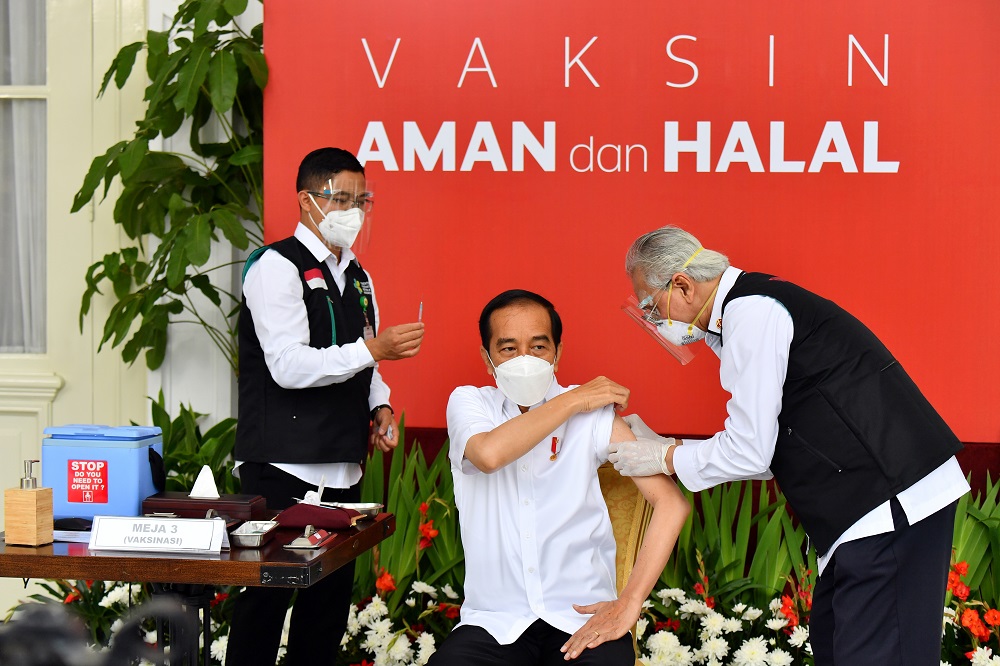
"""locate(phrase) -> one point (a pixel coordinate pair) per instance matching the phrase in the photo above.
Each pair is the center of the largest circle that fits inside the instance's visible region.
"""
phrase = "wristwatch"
(375, 411)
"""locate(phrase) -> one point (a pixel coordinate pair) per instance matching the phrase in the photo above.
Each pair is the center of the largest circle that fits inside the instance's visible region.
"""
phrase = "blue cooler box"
(98, 470)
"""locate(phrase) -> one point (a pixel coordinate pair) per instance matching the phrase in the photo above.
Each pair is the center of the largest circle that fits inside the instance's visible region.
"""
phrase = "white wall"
(71, 382)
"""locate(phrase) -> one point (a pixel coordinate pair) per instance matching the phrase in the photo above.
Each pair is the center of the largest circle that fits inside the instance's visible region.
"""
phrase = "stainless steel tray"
(253, 533)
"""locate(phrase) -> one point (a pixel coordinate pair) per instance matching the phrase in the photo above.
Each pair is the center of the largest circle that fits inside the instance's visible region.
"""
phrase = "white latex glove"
(641, 430)
(643, 457)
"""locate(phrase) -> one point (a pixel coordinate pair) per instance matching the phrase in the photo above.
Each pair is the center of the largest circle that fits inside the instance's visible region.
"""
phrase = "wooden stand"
(28, 516)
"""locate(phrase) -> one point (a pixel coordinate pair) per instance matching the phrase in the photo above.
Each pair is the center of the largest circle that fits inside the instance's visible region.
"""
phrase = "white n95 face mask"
(679, 333)
(525, 379)
(682, 333)
(340, 227)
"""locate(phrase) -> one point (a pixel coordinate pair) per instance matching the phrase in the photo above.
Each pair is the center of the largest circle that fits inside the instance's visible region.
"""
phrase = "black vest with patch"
(854, 430)
(322, 424)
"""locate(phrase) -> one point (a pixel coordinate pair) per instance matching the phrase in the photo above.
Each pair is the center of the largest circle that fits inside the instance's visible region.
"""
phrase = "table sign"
(161, 535)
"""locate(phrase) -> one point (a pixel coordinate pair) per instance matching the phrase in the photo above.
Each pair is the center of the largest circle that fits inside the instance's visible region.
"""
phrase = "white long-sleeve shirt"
(753, 365)
(273, 289)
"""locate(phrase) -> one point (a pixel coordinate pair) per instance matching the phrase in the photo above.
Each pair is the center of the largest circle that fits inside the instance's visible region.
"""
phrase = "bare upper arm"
(474, 454)
(653, 488)
(620, 432)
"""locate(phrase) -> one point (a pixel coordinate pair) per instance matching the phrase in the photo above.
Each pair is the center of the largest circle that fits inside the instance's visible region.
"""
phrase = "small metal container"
(253, 533)
(366, 509)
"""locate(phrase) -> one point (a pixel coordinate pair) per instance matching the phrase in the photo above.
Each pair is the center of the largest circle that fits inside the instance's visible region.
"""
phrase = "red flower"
(72, 596)
(789, 611)
(972, 622)
(385, 583)
(428, 533)
(992, 617)
(452, 612)
(423, 509)
(219, 598)
(956, 586)
(669, 625)
(961, 567)
(699, 589)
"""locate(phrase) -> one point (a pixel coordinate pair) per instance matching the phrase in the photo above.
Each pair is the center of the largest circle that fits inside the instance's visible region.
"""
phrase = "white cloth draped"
(22, 179)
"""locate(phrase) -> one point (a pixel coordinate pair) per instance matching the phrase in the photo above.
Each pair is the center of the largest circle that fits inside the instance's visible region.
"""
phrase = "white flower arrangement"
(697, 633)
(395, 641)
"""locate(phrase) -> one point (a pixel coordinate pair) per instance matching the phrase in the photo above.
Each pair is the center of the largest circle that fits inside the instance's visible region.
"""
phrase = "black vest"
(312, 425)
(854, 430)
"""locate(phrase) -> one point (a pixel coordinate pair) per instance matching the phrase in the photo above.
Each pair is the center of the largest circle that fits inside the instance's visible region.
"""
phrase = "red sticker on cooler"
(87, 481)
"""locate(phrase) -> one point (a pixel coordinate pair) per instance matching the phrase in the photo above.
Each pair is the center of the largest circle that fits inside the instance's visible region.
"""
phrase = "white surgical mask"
(524, 379)
(340, 227)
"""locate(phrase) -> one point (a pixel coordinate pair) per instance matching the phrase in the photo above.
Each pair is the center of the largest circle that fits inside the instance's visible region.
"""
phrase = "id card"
(369, 332)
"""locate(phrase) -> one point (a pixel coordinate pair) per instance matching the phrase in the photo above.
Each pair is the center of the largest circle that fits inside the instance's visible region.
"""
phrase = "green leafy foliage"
(205, 71)
(186, 449)
(419, 495)
(748, 542)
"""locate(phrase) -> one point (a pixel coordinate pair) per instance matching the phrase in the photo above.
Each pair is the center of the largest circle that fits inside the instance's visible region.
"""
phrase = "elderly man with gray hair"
(867, 465)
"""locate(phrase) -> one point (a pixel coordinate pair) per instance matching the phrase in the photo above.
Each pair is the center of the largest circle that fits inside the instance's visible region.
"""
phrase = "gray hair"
(660, 254)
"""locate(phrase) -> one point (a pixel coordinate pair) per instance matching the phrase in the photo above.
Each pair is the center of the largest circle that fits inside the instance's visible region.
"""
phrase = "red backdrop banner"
(849, 147)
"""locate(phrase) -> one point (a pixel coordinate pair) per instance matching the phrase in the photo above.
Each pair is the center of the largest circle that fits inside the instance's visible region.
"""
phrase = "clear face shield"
(648, 319)
(339, 207)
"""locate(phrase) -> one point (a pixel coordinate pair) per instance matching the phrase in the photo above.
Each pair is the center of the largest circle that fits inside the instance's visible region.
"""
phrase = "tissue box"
(96, 470)
(241, 507)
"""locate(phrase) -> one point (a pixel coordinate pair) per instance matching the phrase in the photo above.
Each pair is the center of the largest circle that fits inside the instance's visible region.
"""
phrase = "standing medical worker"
(311, 397)
(818, 402)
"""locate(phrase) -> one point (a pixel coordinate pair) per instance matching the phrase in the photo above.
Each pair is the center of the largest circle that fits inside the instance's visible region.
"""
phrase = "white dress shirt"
(755, 325)
(273, 289)
(536, 532)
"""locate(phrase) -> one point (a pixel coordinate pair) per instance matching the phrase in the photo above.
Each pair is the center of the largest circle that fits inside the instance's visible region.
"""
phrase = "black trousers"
(319, 615)
(880, 599)
(537, 646)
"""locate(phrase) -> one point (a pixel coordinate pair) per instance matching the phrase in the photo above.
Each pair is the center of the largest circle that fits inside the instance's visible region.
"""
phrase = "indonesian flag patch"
(314, 278)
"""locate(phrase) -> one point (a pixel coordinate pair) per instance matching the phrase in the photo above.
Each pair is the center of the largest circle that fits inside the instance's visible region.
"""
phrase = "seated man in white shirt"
(539, 550)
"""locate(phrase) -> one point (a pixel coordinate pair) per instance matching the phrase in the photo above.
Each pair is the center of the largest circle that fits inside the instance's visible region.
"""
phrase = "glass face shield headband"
(335, 205)
(646, 314)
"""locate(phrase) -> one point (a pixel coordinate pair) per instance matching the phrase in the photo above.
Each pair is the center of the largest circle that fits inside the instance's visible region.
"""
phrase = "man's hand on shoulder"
(396, 342)
(598, 392)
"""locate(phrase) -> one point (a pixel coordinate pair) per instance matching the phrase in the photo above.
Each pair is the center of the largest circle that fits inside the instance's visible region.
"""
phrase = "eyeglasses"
(649, 307)
(346, 200)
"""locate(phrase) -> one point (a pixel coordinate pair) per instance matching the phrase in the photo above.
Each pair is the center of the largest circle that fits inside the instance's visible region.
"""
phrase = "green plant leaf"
(248, 155)
(157, 167)
(121, 66)
(156, 51)
(191, 75)
(235, 7)
(222, 80)
(204, 285)
(177, 264)
(254, 60)
(132, 157)
(94, 175)
(205, 14)
(199, 240)
(226, 220)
